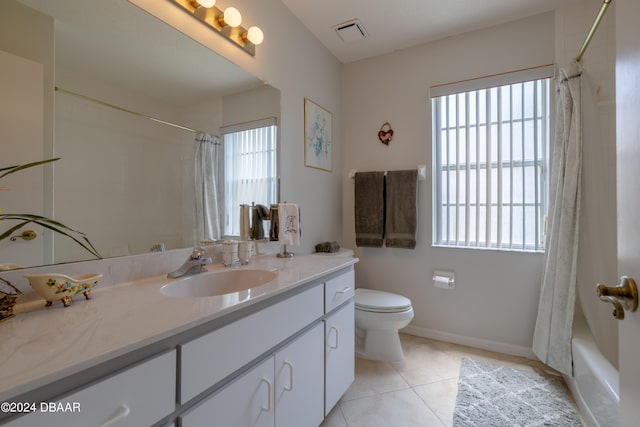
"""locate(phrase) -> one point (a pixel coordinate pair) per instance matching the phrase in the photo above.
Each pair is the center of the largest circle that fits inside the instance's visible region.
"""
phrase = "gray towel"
(369, 209)
(274, 220)
(258, 215)
(402, 209)
(328, 247)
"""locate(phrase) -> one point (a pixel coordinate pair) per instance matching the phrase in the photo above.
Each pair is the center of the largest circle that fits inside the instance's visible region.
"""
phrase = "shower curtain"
(208, 173)
(552, 335)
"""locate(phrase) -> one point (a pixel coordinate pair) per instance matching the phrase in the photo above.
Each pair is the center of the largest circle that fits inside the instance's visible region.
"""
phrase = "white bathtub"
(595, 385)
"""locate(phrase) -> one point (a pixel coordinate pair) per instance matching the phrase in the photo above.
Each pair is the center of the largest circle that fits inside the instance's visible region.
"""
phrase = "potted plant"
(53, 225)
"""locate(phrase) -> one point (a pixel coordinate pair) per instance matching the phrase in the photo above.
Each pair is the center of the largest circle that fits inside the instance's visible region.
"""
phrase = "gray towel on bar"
(258, 215)
(274, 219)
(369, 209)
(402, 209)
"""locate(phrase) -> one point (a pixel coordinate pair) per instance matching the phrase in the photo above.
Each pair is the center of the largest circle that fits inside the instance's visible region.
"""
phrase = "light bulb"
(254, 35)
(202, 3)
(232, 17)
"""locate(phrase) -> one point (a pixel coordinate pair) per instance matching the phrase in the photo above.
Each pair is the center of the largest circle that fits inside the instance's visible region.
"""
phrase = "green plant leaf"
(50, 224)
(12, 169)
(77, 236)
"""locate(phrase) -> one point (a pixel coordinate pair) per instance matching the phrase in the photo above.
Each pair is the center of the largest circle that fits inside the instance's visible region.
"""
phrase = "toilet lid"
(379, 301)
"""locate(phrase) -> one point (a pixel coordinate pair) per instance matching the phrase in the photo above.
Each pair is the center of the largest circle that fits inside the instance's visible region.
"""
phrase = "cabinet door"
(339, 354)
(248, 401)
(299, 384)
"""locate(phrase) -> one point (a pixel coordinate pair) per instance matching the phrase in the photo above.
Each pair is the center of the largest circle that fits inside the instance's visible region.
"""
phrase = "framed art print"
(318, 136)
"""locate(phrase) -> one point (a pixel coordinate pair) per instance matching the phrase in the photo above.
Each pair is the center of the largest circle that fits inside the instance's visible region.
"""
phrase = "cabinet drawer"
(212, 357)
(138, 396)
(248, 401)
(338, 290)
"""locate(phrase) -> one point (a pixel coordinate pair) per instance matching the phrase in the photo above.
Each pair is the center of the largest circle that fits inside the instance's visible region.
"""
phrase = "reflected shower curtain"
(207, 176)
(552, 336)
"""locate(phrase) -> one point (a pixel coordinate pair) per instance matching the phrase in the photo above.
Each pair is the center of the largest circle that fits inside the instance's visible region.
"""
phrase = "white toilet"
(379, 316)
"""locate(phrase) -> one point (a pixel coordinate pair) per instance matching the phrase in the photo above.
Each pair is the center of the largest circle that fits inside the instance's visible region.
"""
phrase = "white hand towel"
(244, 222)
(289, 224)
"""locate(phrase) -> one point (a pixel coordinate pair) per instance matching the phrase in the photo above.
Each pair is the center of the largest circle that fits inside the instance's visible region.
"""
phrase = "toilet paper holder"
(444, 279)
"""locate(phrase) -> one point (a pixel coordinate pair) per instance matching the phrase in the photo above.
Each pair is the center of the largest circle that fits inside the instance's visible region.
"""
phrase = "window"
(250, 165)
(490, 163)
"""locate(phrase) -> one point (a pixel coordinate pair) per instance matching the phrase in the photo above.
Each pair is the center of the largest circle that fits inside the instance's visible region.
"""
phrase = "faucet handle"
(198, 253)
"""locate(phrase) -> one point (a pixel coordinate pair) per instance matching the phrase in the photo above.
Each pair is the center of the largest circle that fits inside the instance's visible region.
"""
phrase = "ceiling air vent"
(351, 31)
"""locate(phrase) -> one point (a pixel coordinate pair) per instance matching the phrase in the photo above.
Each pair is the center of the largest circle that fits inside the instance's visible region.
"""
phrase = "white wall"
(294, 61)
(29, 34)
(496, 296)
(113, 160)
(495, 300)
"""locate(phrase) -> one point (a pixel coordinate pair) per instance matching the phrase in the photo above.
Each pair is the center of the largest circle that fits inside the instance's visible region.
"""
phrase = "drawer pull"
(334, 329)
(268, 408)
(345, 290)
(290, 376)
(121, 414)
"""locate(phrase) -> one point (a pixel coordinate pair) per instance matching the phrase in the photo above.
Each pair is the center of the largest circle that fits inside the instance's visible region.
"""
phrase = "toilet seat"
(380, 302)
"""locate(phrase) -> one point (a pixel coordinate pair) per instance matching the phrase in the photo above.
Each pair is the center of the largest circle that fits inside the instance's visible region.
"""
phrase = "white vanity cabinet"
(209, 359)
(138, 396)
(285, 389)
(285, 361)
(295, 385)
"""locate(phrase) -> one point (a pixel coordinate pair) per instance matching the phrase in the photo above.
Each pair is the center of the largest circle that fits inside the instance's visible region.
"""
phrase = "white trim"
(254, 124)
(502, 79)
(499, 347)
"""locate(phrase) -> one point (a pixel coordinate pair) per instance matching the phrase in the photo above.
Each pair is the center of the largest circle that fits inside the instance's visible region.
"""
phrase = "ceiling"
(99, 37)
(398, 24)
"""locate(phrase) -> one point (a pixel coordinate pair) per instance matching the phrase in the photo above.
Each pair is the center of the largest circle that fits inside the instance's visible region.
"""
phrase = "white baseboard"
(514, 350)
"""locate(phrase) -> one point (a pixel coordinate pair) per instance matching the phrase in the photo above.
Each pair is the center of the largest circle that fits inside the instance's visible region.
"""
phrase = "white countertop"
(41, 344)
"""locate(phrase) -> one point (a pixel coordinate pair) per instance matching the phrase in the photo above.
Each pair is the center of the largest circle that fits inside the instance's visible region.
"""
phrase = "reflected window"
(250, 164)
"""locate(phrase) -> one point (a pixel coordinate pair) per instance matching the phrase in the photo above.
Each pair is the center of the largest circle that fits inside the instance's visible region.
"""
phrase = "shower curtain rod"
(592, 31)
(135, 113)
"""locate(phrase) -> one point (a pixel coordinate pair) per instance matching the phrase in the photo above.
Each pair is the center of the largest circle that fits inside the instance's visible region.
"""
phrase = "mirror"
(124, 180)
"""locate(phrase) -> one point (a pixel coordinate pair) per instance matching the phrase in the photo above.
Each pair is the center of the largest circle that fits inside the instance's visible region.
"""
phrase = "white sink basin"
(217, 283)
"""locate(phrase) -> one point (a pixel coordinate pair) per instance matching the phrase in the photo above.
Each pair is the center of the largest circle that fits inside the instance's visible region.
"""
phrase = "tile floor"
(417, 391)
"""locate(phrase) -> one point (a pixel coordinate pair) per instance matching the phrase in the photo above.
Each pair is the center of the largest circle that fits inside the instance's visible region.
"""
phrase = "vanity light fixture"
(227, 23)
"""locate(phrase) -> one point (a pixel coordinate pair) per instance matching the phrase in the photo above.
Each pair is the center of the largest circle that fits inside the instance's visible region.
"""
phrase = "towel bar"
(422, 173)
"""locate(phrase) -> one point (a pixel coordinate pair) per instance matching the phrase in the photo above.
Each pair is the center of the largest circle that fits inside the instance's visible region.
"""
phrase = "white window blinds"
(490, 161)
(250, 153)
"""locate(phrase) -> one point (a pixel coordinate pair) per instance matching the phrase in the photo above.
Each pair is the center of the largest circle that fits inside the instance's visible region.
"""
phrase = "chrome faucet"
(193, 265)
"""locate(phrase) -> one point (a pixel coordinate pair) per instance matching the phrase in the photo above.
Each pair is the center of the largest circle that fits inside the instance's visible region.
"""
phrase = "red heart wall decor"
(385, 135)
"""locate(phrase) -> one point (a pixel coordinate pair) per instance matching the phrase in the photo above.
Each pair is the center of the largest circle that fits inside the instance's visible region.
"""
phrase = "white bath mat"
(499, 396)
